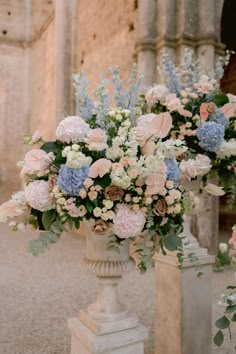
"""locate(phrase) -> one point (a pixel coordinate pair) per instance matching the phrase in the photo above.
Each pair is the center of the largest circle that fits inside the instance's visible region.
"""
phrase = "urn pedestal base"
(107, 326)
(126, 341)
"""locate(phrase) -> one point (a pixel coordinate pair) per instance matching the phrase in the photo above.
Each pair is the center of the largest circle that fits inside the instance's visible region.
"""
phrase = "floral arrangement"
(203, 118)
(228, 300)
(98, 169)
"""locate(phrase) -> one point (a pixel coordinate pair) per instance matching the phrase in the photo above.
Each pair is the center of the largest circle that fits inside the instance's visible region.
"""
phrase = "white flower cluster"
(104, 213)
(226, 149)
(120, 178)
(75, 158)
(173, 148)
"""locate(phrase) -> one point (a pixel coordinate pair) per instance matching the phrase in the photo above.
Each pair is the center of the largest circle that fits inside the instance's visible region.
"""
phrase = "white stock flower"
(77, 159)
(173, 148)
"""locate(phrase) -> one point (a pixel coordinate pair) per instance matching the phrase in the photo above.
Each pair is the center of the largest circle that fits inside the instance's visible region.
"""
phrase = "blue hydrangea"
(210, 135)
(173, 172)
(70, 180)
(219, 118)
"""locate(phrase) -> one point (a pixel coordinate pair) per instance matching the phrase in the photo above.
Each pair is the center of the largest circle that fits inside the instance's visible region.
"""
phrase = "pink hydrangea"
(37, 195)
(72, 129)
(128, 223)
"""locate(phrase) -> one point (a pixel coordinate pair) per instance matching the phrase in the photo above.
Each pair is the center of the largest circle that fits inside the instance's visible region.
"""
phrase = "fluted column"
(146, 41)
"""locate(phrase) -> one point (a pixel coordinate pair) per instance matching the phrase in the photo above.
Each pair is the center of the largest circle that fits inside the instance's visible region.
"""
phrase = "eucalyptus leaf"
(48, 217)
(222, 323)
(219, 338)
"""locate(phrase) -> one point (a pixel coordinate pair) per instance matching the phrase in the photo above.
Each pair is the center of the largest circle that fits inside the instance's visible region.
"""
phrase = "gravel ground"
(37, 295)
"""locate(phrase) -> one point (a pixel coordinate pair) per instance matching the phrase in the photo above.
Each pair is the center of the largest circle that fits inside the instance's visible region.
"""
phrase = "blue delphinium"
(70, 180)
(219, 118)
(173, 172)
(210, 135)
(84, 103)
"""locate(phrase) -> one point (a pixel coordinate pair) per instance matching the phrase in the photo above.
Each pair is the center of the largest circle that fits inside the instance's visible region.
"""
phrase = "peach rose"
(100, 227)
(99, 168)
(160, 208)
(97, 139)
(113, 193)
(9, 209)
(155, 182)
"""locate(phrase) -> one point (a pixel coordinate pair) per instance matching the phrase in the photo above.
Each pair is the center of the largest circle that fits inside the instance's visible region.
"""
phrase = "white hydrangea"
(37, 195)
(156, 94)
(76, 159)
(72, 129)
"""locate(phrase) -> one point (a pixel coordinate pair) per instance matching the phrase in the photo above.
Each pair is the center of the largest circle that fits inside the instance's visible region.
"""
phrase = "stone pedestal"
(106, 326)
(184, 302)
(84, 341)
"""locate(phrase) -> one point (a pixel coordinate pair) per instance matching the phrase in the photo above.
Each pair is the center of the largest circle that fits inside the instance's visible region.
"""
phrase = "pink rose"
(92, 195)
(229, 110)
(9, 209)
(100, 168)
(155, 182)
(97, 139)
(161, 125)
(37, 160)
(36, 136)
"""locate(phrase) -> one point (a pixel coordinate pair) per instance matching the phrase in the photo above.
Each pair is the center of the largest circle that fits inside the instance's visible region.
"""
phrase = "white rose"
(223, 247)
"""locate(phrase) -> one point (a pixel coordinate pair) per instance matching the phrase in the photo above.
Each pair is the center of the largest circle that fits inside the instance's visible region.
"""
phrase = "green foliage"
(222, 323)
(50, 146)
(219, 338)
(46, 238)
(172, 242)
(221, 99)
(48, 217)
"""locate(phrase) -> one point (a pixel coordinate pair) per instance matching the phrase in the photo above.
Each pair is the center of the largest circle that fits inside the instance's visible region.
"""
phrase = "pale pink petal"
(204, 111)
(232, 241)
(161, 125)
(184, 112)
(99, 168)
(9, 210)
(149, 148)
(228, 109)
(214, 189)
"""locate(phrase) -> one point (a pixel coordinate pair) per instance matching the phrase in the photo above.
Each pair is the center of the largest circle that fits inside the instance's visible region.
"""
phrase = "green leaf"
(172, 242)
(89, 206)
(50, 146)
(77, 223)
(221, 99)
(48, 217)
(230, 309)
(56, 228)
(104, 181)
(219, 338)
(222, 323)
(233, 317)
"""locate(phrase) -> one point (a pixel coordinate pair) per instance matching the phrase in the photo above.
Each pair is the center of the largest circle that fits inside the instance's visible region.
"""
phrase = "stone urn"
(107, 318)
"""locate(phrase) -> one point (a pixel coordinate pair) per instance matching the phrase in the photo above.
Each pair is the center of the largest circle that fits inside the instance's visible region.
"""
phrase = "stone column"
(184, 301)
(66, 19)
(146, 42)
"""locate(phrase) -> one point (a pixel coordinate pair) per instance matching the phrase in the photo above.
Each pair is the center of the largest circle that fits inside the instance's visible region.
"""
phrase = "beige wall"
(107, 33)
